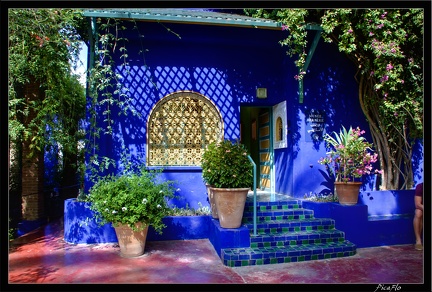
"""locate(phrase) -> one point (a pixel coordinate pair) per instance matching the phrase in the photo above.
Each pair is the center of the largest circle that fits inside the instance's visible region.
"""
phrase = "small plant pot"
(132, 243)
(348, 192)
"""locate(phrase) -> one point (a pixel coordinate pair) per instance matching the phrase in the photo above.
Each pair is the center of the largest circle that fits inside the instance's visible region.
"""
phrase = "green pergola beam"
(309, 57)
(185, 16)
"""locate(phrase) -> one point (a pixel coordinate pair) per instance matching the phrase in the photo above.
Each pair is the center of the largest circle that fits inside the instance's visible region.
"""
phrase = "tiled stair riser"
(287, 233)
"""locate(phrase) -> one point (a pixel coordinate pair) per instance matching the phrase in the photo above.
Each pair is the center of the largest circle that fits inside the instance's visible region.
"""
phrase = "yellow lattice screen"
(180, 127)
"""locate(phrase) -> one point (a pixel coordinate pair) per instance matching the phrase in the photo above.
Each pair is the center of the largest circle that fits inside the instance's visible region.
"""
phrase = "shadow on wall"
(80, 227)
(173, 64)
(386, 203)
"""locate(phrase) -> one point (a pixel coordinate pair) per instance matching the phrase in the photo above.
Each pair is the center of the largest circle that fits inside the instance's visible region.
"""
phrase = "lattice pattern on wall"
(179, 128)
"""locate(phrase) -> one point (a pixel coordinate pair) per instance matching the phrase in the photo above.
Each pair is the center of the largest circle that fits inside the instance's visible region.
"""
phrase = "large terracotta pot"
(132, 243)
(230, 205)
(212, 202)
(348, 192)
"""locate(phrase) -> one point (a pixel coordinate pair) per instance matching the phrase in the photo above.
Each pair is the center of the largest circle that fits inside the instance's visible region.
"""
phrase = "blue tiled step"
(292, 214)
(238, 257)
(273, 206)
(277, 226)
(297, 238)
(286, 232)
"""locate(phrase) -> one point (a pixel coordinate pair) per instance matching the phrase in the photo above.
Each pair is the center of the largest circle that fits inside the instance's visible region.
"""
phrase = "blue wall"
(379, 218)
(227, 64)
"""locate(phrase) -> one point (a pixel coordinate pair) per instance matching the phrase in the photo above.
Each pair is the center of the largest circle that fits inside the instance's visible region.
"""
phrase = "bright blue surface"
(362, 222)
(227, 64)
(80, 227)
(228, 237)
(182, 228)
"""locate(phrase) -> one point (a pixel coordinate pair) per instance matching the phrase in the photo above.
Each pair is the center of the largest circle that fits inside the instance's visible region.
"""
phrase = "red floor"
(43, 257)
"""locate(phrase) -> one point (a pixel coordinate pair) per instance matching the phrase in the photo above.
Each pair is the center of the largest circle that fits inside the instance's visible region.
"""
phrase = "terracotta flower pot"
(132, 243)
(230, 205)
(348, 192)
(212, 202)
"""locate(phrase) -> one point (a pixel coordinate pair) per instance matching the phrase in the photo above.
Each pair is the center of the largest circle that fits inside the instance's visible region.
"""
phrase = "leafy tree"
(386, 45)
(43, 94)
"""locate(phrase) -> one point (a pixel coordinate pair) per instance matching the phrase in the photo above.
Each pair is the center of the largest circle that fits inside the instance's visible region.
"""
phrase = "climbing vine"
(107, 91)
(386, 45)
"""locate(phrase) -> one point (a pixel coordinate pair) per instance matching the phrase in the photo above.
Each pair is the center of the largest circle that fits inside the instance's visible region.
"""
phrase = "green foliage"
(12, 232)
(46, 101)
(226, 165)
(131, 197)
(386, 45)
(106, 90)
(350, 155)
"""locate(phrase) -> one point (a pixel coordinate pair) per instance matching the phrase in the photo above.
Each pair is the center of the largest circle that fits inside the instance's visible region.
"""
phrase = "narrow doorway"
(256, 135)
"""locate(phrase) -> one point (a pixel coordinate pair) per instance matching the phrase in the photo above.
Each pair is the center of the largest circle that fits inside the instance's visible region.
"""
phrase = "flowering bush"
(130, 198)
(226, 165)
(350, 156)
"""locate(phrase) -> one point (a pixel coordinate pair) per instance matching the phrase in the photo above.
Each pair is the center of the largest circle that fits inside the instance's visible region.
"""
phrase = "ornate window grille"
(180, 127)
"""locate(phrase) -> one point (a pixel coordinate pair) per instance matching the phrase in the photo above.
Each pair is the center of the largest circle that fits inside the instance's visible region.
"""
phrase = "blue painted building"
(196, 76)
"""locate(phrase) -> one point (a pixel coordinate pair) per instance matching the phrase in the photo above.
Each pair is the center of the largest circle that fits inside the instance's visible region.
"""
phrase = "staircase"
(287, 233)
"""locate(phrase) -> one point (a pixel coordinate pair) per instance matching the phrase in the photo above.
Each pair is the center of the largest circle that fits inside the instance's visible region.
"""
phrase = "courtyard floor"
(43, 257)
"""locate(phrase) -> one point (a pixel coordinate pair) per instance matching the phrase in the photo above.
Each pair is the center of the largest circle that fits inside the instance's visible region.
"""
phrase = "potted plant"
(227, 169)
(131, 201)
(350, 157)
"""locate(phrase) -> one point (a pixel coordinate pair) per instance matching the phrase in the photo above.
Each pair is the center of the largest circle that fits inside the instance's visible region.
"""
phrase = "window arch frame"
(159, 105)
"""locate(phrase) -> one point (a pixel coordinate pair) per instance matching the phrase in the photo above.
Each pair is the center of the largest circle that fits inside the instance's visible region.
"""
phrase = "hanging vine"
(386, 45)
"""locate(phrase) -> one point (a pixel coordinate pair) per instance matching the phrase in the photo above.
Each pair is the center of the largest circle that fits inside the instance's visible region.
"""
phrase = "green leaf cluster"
(350, 155)
(387, 47)
(131, 197)
(46, 102)
(226, 165)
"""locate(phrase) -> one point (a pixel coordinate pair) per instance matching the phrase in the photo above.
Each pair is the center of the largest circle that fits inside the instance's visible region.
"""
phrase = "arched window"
(180, 127)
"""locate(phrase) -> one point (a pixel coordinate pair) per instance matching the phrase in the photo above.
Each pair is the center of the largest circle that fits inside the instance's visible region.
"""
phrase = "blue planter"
(388, 203)
(379, 218)
(182, 228)
(80, 227)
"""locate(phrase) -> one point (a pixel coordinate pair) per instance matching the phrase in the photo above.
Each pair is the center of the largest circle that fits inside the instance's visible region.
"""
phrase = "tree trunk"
(33, 197)
(394, 156)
